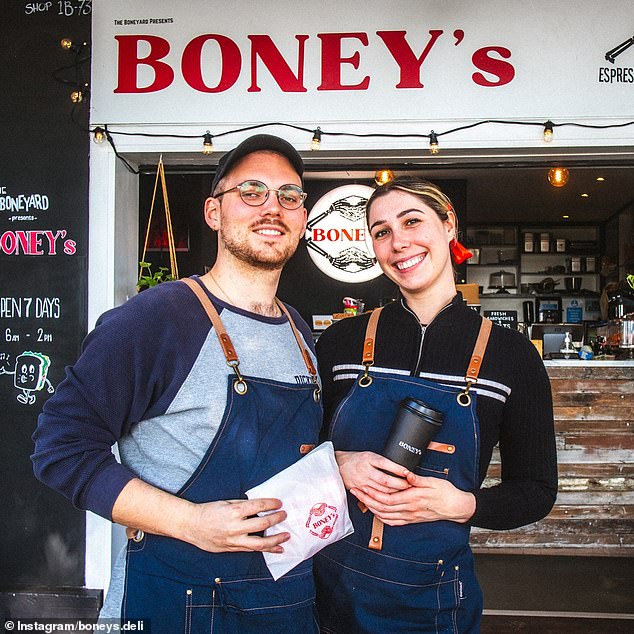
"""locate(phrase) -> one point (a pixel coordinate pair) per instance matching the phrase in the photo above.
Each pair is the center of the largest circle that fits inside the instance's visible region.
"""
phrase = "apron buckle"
(464, 398)
(366, 379)
(240, 386)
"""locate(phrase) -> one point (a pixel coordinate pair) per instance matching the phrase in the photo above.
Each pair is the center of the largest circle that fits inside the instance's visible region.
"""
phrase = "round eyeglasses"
(256, 193)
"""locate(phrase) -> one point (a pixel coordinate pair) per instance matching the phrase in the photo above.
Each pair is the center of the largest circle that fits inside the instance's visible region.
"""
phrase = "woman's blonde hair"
(429, 193)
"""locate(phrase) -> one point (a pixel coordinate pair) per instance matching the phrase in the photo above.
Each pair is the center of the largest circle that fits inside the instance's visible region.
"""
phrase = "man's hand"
(228, 526)
(224, 526)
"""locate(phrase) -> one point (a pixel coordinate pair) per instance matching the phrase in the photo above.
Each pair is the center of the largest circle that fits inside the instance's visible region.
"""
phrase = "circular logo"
(336, 235)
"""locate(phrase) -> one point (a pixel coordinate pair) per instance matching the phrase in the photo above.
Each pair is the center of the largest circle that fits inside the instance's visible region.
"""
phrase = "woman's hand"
(364, 470)
(426, 500)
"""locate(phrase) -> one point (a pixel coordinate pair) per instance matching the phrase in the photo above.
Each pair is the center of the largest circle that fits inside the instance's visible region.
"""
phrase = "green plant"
(147, 279)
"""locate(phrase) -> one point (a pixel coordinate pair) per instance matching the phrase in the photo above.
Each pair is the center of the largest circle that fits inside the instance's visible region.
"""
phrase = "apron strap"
(464, 398)
(376, 537)
(227, 346)
(368, 346)
(305, 354)
(231, 356)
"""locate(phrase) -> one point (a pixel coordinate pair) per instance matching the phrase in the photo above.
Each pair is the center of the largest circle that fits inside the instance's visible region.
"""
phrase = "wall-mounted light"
(548, 131)
(208, 144)
(66, 43)
(383, 176)
(558, 176)
(600, 179)
(77, 96)
(99, 135)
(433, 142)
(585, 195)
(315, 144)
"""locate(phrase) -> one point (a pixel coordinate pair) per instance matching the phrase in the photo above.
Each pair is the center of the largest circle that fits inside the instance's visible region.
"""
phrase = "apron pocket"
(350, 598)
(264, 605)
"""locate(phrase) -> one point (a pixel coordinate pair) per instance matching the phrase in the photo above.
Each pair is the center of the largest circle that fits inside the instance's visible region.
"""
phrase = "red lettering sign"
(129, 63)
(264, 51)
(331, 61)
(404, 56)
(262, 46)
(504, 71)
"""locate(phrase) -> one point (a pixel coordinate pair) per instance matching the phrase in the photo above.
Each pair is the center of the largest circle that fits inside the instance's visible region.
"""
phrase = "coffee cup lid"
(422, 409)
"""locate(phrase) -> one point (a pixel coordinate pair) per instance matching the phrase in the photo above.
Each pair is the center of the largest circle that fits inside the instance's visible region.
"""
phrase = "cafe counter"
(594, 422)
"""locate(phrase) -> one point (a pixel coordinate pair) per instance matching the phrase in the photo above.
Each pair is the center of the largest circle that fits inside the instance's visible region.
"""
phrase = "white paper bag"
(314, 498)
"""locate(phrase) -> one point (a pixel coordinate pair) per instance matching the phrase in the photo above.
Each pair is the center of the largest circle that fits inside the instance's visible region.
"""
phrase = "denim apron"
(177, 587)
(418, 577)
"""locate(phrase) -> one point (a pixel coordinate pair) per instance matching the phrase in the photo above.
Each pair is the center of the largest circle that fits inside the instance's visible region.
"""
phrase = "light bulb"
(383, 176)
(208, 144)
(76, 96)
(548, 131)
(315, 144)
(558, 176)
(433, 142)
(66, 43)
(99, 135)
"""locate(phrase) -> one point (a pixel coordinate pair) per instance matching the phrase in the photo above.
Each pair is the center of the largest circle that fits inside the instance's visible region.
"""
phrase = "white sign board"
(212, 63)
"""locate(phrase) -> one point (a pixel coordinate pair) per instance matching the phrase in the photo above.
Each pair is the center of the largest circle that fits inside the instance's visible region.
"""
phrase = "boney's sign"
(158, 61)
(336, 235)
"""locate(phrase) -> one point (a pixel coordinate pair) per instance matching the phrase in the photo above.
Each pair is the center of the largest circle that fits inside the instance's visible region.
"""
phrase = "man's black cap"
(257, 143)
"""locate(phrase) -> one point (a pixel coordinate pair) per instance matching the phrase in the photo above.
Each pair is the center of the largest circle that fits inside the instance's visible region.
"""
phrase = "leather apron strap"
(228, 348)
(368, 346)
(464, 398)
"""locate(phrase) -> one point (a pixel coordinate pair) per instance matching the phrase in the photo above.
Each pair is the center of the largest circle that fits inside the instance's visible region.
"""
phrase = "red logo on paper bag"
(321, 520)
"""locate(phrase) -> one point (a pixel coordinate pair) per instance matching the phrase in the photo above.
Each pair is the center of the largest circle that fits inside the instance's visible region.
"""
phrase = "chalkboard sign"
(505, 318)
(43, 277)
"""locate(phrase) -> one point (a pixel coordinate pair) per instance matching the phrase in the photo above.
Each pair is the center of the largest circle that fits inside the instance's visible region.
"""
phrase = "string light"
(548, 131)
(99, 135)
(208, 144)
(383, 176)
(558, 176)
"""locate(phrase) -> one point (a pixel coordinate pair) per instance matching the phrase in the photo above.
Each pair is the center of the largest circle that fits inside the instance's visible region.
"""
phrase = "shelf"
(551, 274)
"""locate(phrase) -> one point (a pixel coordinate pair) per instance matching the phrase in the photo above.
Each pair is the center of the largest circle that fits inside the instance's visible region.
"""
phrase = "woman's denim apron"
(420, 577)
(177, 587)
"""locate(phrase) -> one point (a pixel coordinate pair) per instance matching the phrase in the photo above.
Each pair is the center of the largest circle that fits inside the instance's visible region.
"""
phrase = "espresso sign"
(336, 235)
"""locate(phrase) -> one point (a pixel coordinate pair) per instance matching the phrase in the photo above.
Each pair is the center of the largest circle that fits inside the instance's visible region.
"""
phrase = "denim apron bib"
(418, 577)
(177, 587)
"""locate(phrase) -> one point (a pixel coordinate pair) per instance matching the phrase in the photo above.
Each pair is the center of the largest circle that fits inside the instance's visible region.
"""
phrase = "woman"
(408, 566)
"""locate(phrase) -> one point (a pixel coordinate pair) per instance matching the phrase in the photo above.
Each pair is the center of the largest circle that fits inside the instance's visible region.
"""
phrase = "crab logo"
(336, 235)
(29, 376)
(321, 520)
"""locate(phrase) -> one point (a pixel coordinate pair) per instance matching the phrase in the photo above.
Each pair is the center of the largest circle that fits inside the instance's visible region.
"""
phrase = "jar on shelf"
(544, 242)
(529, 243)
(560, 245)
(591, 264)
(574, 264)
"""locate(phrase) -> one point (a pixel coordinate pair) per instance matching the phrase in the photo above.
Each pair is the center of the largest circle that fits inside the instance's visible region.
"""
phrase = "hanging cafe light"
(558, 176)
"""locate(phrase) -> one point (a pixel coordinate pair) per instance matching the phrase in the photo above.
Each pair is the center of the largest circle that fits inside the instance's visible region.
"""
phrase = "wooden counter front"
(594, 424)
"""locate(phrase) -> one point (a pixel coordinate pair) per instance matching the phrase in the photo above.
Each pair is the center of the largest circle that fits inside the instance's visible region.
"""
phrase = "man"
(200, 416)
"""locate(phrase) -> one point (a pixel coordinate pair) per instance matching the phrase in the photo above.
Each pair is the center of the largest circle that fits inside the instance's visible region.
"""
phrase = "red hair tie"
(459, 252)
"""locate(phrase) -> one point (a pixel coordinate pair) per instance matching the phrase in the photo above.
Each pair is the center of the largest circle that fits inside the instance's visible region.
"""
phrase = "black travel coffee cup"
(414, 426)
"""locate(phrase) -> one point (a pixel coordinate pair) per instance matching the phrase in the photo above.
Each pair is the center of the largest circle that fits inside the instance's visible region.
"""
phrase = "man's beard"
(266, 259)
